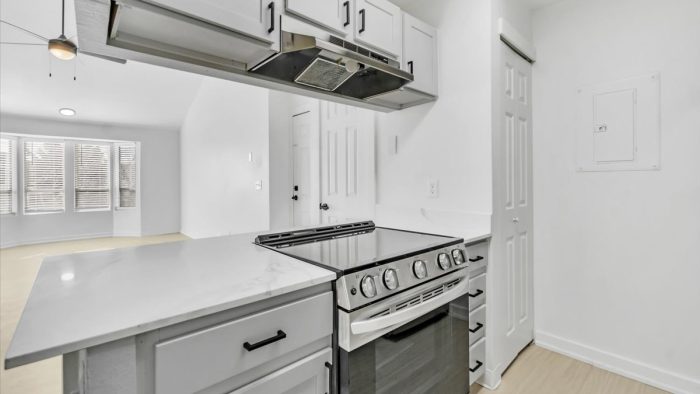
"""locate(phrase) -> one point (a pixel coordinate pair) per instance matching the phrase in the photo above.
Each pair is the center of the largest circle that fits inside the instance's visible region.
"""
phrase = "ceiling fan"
(61, 47)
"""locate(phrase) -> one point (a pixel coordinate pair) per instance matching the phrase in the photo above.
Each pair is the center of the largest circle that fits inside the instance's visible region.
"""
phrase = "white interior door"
(347, 163)
(303, 211)
(512, 222)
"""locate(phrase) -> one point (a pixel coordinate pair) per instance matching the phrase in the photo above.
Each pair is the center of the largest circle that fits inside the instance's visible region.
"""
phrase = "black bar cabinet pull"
(347, 13)
(295, 197)
(478, 365)
(280, 335)
(271, 6)
(362, 21)
(478, 327)
(410, 66)
(478, 293)
(477, 258)
(330, 376)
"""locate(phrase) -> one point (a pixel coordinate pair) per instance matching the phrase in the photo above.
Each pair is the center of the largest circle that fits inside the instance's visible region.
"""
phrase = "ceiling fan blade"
(21, 43)
(25, 30)
(110, 58)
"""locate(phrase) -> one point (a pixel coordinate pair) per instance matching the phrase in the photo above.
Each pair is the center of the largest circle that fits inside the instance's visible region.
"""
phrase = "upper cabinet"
(334, 15)
(258, 19)
(420, 54)
(378, 24)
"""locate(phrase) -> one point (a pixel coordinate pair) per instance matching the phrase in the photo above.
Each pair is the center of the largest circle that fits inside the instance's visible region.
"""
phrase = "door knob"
(516, 220)
(295, 197)
(323, 206)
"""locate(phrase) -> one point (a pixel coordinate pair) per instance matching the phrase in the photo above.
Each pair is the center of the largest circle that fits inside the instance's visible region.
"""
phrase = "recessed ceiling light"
(67, 111)
(68, 276)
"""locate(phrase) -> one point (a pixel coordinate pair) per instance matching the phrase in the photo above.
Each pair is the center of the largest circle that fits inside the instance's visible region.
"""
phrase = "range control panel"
(369, 285)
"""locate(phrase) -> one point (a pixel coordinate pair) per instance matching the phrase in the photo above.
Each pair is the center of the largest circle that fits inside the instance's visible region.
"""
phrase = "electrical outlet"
(433, 188)
(258, 185)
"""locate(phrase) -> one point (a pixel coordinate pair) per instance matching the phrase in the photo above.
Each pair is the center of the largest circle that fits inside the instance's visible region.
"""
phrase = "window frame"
(24, 141)
(110, 190)
(117, 188)
(14, 173)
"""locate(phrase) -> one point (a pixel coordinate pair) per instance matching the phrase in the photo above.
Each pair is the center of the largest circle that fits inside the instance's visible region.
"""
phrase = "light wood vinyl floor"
(536, 370)
(540, 371)
(18, 268)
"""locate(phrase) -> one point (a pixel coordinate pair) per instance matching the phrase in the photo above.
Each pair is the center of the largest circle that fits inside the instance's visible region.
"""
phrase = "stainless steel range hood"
(337, 66)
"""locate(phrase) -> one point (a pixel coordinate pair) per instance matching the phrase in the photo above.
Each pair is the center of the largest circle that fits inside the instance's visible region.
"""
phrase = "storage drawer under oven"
(198, 360)
(477, 324)
(477, 291)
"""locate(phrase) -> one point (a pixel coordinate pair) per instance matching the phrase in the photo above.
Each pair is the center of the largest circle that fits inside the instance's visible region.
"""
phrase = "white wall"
(448, 140)
(616, 261)
(159, 193)
(225, 123)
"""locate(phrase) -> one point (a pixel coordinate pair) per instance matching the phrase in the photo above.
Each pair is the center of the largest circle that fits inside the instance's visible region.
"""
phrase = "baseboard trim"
(55, 239)
(632, 369)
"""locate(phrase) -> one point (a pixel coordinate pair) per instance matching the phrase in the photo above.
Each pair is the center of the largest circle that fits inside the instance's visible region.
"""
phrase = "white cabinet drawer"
(477, 291)
(477, 255)
(201, 359)
(310, 375)
(477, 324)
(477, 360)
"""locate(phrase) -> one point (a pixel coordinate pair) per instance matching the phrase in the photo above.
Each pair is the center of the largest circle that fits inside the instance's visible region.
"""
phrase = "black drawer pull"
(478, 365)
(271, 7)
(347, 13)
(478, 327)
(478, 293)
(410, 66)
(280, 335)
(362, 23)
(477, 258)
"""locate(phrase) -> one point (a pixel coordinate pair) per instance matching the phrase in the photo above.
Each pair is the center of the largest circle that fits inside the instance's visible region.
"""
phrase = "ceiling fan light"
(62, 48)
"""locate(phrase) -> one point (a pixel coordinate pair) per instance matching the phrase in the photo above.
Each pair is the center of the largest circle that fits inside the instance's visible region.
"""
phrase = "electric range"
(402, 305)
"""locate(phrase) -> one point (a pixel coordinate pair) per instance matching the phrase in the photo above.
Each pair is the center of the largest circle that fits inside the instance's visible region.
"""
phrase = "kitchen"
(329, 198)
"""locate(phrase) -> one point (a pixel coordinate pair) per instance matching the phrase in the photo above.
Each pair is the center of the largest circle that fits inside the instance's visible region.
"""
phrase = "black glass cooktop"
(352, 247)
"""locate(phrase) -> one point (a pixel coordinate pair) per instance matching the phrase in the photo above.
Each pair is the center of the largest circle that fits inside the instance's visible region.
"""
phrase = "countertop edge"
(13, 361)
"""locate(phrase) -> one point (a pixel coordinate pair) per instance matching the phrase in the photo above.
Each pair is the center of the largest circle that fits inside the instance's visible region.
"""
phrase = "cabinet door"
(420, 54)
(335, 15)
(378, 24)
(255, 18)
(310, 375)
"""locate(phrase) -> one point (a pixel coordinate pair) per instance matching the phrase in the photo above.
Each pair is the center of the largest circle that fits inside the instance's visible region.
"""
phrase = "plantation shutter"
(7, 175)
(92, 178)
(126, 155)
(44, 176)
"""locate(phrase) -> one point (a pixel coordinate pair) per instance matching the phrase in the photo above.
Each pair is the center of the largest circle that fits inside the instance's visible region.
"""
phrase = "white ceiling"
(104, 91)
(531, 4)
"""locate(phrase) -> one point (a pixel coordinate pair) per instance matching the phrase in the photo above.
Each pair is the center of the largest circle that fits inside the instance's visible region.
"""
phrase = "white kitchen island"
(176, 317)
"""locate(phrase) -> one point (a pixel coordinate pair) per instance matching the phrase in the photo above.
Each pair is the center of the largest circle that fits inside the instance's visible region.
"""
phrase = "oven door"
(429, 354)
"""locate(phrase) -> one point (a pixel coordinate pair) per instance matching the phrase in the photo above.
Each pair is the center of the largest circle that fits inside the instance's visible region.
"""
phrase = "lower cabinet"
(310, 375)
(477, 254)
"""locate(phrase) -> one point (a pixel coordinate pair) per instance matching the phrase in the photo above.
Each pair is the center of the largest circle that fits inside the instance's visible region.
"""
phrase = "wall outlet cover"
(433, 188)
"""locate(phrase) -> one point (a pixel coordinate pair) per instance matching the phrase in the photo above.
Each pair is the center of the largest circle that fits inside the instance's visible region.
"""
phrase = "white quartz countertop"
(86, 299)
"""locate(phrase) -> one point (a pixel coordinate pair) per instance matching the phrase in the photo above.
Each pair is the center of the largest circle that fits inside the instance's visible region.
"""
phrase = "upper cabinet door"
(378, 24)
(335, 15)
(420, 54)
(255, 18)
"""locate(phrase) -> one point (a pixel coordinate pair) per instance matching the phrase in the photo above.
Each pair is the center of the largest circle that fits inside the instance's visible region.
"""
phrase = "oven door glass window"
(428, 355)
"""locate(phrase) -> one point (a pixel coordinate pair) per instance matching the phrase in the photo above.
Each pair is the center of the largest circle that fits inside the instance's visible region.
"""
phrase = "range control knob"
(420, 270)
(367, 287)
(391, 280)
(458, 256)
(443, 261)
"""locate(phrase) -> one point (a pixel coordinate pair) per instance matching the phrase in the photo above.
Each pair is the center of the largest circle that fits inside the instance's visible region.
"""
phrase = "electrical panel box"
(617, 126)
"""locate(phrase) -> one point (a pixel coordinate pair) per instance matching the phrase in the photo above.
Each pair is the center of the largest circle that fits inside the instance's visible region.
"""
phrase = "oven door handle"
(408, 314)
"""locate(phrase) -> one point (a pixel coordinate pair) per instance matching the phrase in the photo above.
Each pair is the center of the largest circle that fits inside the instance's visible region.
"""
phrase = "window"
(43, 177)
(126, 174)
(8, 175)
(92, 177)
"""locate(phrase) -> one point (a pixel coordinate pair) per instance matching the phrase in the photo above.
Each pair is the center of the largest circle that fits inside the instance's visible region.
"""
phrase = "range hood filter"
(324, 74)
